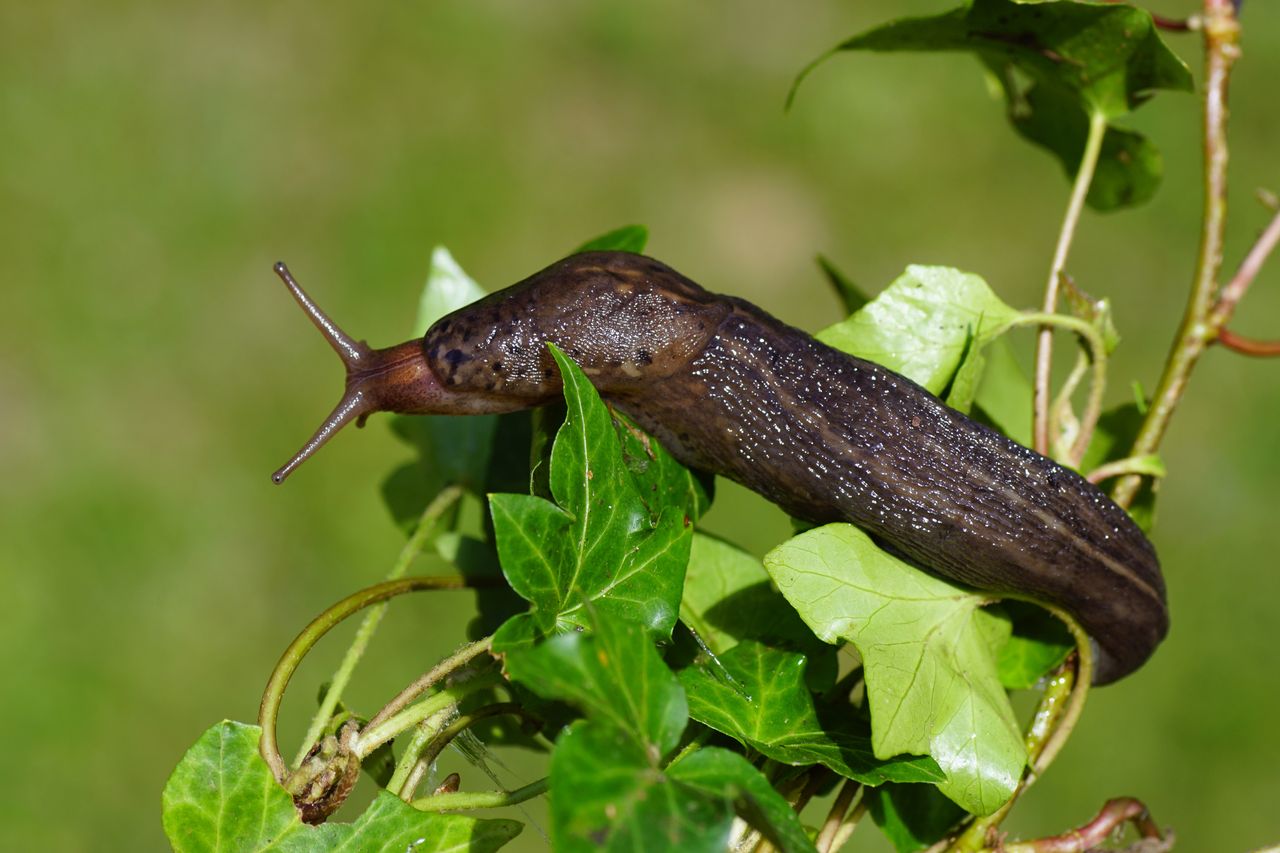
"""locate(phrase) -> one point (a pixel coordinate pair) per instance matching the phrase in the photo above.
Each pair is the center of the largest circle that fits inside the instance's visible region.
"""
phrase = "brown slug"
(829, 437)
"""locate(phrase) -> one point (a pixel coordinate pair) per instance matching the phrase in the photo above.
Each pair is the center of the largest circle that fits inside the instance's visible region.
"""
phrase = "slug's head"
(395, 379)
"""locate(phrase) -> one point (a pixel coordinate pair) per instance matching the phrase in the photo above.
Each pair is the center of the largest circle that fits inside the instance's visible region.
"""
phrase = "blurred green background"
(156, 158)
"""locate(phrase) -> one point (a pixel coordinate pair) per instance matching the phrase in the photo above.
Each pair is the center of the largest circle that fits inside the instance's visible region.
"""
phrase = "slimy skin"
(828, 437)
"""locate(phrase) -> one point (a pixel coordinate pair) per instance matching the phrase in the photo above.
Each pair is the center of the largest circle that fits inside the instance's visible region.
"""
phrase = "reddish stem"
(1248, 346)
(1113, 815)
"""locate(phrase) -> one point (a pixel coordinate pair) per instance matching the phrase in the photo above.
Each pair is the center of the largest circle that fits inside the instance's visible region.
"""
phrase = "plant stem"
(1221, 35)
(1044, 344)
(1247, 272)
(482, 800)
(1248, 346)
(835, 817)
(1113, 814)
(422, 533)
(849, 824)
(422, 735)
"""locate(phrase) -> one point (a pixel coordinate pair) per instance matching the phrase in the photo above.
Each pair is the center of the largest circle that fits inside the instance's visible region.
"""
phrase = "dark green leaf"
(759, 698)
(727, 775)
(607, 793)
(914, 817)
(222, 797)
(661, 481)
(596, 544)
(927, 651)
(1059, 63)
(851, 296)
(628, 238)
(614, 675)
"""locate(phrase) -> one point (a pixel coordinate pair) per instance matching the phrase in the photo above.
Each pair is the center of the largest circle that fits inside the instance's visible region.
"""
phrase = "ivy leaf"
(1003, 395)
(628, 238)
(595, 544)
(719, 773)
(759, 699)
(607, 793)
(928, 325)
(448, 288)
(1059, 63)
(614, 675)
(222, 797)
(928, 652)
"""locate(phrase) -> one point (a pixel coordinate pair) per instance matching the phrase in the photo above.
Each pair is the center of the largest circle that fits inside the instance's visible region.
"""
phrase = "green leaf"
(1058, 63)
(1129, 166)
(222, 797)
(926, 325)
(759, 698)
(719, 773)
(628, 238)
(614, 675)
(914, 817)
(852, 297)
(607, 793)
(927, 649)
(596, 544)
(1038, 644)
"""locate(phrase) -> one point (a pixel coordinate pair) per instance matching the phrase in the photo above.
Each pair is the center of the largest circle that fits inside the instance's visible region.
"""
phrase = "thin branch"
(1247, 272)
(1221, 36)
(1247, 346)
(1113, 815)
(1044, 344)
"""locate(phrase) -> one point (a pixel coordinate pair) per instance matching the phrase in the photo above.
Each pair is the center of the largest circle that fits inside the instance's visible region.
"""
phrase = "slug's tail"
(354, 404)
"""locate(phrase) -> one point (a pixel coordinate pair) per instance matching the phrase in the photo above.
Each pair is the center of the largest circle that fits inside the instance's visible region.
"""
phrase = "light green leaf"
(222, 797)
(926, 646)
(925, 325)
(448, 288)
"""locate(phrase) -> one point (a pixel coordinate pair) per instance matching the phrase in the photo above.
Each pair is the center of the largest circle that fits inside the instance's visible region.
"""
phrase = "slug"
(729, 389)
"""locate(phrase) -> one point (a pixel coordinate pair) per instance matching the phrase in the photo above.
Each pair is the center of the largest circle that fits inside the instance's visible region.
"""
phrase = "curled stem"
(1044, 343)
(422, 534)
(269, 709)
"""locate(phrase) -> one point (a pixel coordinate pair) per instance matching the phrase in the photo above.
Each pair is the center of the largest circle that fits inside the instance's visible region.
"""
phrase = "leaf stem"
(460, 800)
(269, 709)
(375, 735)
(422, 735)
(1044, 343)
(1113, 814)
(1097, 356)
(1248, 346)
(1221, 37)
(422, 534)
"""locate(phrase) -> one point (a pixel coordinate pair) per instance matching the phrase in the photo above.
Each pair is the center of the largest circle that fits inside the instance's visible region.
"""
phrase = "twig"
(1221, 35)
(1113, 814)
(1247, 346)
(1044, 344)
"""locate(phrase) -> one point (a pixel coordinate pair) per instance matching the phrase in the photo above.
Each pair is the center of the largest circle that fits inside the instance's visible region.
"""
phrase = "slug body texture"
(829, 437)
